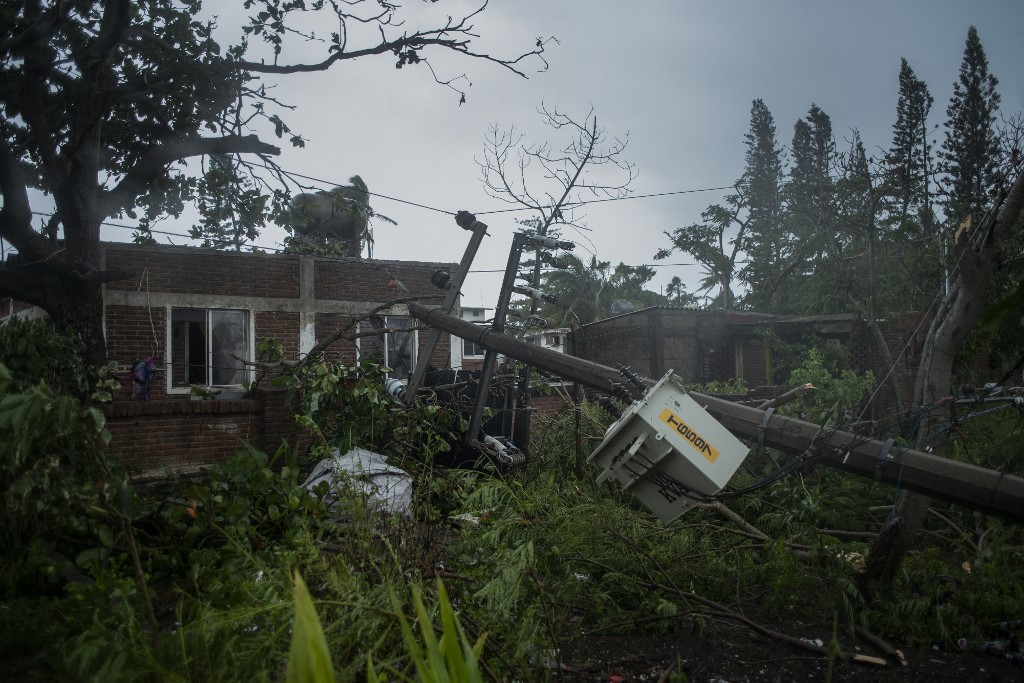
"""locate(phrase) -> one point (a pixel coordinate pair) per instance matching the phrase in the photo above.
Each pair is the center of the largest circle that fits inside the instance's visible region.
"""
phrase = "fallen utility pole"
(975, 487)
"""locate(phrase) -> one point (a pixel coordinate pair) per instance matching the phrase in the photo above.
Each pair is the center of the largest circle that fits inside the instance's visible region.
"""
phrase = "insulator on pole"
(536, 294)
(441, 279)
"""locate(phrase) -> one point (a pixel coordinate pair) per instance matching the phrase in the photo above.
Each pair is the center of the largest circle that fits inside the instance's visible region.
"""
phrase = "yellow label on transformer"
(688, 434)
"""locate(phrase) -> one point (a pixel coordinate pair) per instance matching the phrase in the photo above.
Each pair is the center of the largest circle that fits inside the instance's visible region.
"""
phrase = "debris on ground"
(388, 489)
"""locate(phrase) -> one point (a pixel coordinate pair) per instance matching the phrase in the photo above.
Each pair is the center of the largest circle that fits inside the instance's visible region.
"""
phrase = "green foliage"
(835, 231)
(448, 659)
(735, 387)
(836, 394)
(971, 155)
(223, 557)
(347, 406)
(909, 158)
(309, 658)
(539, 553)
(233, 207)
(787, 356)
(706, 242)
(34, 351)
(130, 94)
(53, 479)
(586, 291)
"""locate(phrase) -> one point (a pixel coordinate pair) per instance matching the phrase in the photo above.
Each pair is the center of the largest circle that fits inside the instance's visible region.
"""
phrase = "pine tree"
(970, 154)
(908, 161)
(810, 210)
(852, 261)
(765, 241)
(909, 234)
(814, 154)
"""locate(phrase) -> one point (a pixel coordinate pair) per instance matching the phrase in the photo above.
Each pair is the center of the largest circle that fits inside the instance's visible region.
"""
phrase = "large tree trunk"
(978, 258)
(81, 312)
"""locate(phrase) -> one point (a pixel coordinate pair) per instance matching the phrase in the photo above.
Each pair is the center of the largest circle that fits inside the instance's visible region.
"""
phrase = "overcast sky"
(677, 75)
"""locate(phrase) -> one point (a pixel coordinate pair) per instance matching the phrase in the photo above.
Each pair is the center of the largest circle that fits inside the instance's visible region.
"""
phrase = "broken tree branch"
(716, 609)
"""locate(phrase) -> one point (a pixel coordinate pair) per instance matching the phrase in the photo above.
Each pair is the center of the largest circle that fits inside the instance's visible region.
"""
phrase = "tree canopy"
(106, 103)
(822, 228)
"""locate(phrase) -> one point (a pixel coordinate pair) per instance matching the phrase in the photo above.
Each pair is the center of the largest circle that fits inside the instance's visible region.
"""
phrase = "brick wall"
(328, 324)
(651, 342)
(279, 423)
(188, 270)
(168, 433)
(704, 346)
(755, 366)
(548, 405)
(172, 430)
(281, 326)
(135, 333)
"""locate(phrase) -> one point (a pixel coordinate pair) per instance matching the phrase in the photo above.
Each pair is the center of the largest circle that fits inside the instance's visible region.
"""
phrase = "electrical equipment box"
(668, 451)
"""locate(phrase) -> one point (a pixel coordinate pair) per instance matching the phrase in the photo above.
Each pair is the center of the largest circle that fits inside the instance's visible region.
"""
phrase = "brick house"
(705, 346)
(194, 310)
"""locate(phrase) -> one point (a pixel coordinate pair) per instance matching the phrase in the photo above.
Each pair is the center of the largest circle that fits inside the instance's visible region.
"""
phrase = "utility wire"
(570, 205)
(293, 174)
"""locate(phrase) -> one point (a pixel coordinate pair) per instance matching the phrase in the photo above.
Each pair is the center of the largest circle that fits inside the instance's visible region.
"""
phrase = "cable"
(293, 174)
(570, 205)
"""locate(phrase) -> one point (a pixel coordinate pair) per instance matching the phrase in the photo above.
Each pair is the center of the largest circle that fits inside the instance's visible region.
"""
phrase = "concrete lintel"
(250, 303)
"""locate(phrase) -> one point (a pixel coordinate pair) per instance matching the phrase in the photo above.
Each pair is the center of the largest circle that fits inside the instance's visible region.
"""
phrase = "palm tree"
(582, 289)
(335, 221)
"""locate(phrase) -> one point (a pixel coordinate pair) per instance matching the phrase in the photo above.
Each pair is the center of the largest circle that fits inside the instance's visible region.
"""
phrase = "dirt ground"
(735, 654)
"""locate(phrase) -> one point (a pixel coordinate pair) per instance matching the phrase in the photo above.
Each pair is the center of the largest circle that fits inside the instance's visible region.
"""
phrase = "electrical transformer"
(668, 451)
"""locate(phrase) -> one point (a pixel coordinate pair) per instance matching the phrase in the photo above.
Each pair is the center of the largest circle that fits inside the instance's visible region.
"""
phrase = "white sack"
(387, 488)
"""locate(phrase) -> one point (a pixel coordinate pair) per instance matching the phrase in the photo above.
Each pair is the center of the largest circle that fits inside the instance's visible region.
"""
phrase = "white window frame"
(249, 344)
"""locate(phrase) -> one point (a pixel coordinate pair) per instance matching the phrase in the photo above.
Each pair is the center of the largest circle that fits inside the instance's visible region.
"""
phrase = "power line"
(613, 199)
(109, 224)
(497, 211)
(293, 174)
(634, 265)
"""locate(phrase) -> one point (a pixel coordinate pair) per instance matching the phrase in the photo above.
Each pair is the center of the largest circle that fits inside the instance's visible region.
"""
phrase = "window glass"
(188, 347)
(397, 349)
(471, 349)
(401, 347)
(227, 334)
(204, 345)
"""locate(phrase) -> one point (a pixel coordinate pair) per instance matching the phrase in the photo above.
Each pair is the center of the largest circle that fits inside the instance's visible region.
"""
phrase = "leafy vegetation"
(244, 574)
(197, 579)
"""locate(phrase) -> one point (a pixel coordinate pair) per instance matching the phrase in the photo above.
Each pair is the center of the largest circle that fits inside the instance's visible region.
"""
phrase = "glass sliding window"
(401, 347)
(228, 347)
(207, 345)
(397, 349)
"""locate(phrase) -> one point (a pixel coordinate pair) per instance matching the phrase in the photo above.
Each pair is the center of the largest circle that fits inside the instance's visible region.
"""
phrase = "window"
(206, 347)
(471, 349)
(396, 349)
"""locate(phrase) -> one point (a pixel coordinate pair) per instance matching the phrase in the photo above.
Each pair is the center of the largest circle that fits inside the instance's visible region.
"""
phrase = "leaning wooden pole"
(961, 483)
